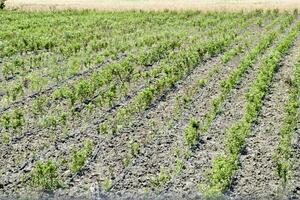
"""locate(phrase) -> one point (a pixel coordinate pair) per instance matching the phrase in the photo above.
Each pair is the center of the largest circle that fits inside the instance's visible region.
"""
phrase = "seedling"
(160, 179)
(103, 129)
(44, 175)
(107, 184)
(79, 157)
(133, 148)
(190, 133)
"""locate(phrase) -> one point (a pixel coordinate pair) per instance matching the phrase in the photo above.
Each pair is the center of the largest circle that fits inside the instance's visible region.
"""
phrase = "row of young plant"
(45, 174)
(192, 132)
(46, 164)
(219, 43)
(77, 65)
(107, 50)
(104, 38)
(80, 60)
(165, 175)
(283, 152)
(133, 147)
(244, 41)
(37, 105)
(133, 150)
(20, 66)
(100, 41)
(178, 64)
(210, 18)
(116, 74)
(61, 36)
(223, 166)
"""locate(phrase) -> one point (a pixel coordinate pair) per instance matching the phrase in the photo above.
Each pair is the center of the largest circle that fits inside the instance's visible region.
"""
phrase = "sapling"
(37, 105)
(126, 159)
(15, 91)
(178, 165)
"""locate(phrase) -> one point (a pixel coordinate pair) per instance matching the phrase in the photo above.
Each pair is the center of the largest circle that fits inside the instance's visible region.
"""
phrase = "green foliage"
(283, 152)
(178, 165)
(223, 167)
(103, 129)
(176, 66)
(15, 91)
(14, 119)
(78, 157)
(44, 175)
(37, 106)
(133, 148)
(160, 179)
(190, 133)
(107, 184)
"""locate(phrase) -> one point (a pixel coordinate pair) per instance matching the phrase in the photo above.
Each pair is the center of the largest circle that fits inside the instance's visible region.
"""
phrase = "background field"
(156, 4)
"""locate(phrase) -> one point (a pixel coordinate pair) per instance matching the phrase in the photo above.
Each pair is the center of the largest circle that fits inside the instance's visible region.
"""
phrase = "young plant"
(190, 133)
(161, 178)
(79, 157)
(14, 120)
(133, 150)
(224, 165)
(107, 184)
(44, 175)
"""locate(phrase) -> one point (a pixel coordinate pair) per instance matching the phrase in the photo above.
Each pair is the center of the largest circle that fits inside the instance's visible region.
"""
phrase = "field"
(149, 105)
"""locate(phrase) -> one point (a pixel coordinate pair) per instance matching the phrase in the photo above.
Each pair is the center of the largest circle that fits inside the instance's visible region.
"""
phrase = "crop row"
(206, 49)
(192, 132)
(283, 153)
(115, 75)
(224, 165)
